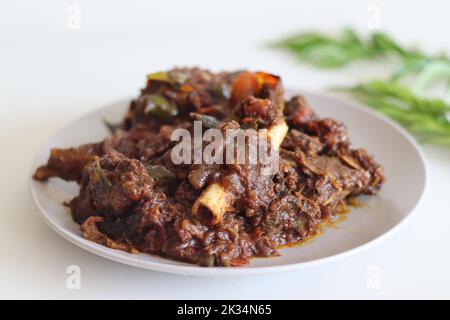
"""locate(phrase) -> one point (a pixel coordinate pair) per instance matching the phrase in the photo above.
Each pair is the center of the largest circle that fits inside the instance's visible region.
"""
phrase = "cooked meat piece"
(91, 232)
(139, 143)
(259, 113)
(298, 112)
(300, 116)
(66, 164)
(331, 133)
(290, 219)
(298, 141)
(116, 183)
(253, 189)
(202, 174)
(360, 159)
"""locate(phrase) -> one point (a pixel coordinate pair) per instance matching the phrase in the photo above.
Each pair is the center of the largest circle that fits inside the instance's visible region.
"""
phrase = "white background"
(51, 74)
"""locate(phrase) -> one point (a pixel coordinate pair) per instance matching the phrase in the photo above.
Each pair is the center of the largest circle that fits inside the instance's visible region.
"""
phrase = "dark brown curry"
(134, 198)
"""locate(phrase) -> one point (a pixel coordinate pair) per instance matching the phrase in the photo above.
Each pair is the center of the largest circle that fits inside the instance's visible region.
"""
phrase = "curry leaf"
(160, 173)
(427, 118)
(159, 106)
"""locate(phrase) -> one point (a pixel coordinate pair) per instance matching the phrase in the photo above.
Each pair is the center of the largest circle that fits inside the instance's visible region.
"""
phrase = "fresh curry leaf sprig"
(426, 118)
(402, 96)
(333, 52)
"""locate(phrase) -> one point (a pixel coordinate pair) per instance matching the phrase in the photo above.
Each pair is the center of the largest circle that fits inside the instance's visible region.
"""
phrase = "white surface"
(51, 75)
(381, 216)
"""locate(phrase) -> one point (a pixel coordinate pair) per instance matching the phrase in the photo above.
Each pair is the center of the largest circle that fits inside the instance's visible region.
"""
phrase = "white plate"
(391, 145)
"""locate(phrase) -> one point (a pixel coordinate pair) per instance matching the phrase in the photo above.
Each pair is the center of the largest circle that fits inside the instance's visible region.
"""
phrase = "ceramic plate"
(363, 227)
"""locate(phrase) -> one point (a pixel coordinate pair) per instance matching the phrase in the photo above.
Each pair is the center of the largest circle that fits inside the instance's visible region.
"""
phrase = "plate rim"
(194, 270)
